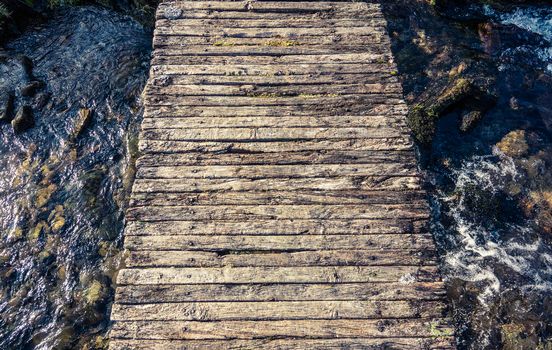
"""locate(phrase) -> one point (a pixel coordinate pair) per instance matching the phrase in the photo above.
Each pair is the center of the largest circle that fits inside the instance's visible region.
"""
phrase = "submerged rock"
(94, 293)
(515, 337)
(40, 100)
(24, 119)
(26, 63)
(31, 88)
(81, 121)
(469, 120)
(6, 106)
(514, 144)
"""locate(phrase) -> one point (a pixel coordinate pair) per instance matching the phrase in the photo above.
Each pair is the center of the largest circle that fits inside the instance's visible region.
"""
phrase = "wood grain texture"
(277, 202)
(441, 343)
(317, 329)
(174, 293)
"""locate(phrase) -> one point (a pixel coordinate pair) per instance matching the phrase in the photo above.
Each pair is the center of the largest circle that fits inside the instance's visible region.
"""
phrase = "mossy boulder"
(471, 96)
(422, 123)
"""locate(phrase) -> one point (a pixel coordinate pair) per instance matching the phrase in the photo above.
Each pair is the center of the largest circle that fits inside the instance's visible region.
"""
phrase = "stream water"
(64, 182)
(492, 200)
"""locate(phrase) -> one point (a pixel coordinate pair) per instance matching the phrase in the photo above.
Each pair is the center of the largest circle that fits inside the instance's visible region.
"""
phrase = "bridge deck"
(277, 202)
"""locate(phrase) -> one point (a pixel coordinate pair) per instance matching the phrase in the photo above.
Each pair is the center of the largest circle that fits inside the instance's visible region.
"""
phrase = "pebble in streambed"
(69, 115)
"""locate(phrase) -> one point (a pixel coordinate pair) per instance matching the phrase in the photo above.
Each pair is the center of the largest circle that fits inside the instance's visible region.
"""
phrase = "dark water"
(491, 187)
(63, 184)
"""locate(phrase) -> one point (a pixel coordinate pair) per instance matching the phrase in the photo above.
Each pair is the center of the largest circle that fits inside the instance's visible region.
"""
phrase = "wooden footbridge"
(277, 201)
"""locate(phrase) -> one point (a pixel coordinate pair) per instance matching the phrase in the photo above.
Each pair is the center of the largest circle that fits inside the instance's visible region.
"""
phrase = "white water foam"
(478, 249)
(533, 19)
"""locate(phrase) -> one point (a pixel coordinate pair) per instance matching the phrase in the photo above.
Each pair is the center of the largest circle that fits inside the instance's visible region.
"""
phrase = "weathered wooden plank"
(278, 329)
(310, 157)
(173, 14)
(362, 183)
(441, 343)
(316, 102)
(272, 111)
(276, 227)
(295, 274)
(321, 146)
(287, 310)
(270, 212)
(275, 171)
(293, 22)
(304, 157)
(273, 32)
(173, 46)
(269, 6)
(280, 90)
(279, 243)
(269, 134)
(139, 294)
(277, 197)
(273, 80)
(289, 122)
(353, 257)
(344, 59)
(383, 68)
(305, 41)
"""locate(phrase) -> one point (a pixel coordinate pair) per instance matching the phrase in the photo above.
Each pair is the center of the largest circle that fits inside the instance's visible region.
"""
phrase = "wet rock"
(514, 103)
(56, 218)
(40, 100)
(6, 106)
(94, 292)
(469, 120)
(24, 119)
(81, 121)
(26, 63)
(460, 89)
(498, 37)
(538, 205)
(462, 92)
(31, 88)
(65, 337)
(422, 123)
(15, 234)
(35, 232)
(460, 10)
(514, 337)
(514, 144)
(104, 248)
(43, 195)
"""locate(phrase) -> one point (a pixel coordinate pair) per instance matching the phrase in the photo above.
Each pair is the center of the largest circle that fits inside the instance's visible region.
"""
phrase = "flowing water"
(492, 198)
(64, 182)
